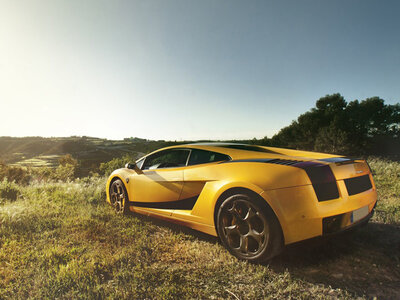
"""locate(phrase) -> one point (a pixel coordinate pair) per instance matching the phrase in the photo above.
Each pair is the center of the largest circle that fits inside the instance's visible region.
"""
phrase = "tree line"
(367, 127)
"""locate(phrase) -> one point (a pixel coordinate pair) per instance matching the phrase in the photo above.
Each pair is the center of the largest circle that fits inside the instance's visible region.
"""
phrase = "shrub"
(18, 174)
(9, 190)
(116, 163)
(42, 173)
(67, 160)
(65, 172)
(67, 169)
(61, 173)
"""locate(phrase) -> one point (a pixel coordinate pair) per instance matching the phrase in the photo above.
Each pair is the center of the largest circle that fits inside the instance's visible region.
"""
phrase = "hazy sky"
(172, 69)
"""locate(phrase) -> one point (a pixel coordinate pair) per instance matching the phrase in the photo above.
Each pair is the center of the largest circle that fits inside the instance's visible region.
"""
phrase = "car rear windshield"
(247, 148)
(202, 157)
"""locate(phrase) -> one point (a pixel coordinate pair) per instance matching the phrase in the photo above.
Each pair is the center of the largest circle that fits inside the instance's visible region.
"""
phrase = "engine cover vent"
(286, 162)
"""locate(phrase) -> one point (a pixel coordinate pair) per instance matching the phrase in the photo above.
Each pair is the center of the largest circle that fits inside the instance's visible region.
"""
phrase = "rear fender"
(205, 207)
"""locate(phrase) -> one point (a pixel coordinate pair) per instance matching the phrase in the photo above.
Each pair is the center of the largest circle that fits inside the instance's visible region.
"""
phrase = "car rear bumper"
(336, 224)
(302, 216)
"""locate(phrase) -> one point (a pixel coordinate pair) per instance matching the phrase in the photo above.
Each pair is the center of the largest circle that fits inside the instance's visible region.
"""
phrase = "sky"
(185, 69)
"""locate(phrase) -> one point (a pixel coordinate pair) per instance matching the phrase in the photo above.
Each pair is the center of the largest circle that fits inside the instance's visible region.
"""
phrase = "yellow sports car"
(255, 199)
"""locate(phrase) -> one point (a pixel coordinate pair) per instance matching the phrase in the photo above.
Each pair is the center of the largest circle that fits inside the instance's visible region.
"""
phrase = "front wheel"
(248, 229)
(119, 197)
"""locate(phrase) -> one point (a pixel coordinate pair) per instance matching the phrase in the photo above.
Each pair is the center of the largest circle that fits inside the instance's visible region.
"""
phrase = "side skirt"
(176, 220)
(186, 204)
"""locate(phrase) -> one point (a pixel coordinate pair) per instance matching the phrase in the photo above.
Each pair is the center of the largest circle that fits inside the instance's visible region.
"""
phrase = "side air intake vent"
(358, 185)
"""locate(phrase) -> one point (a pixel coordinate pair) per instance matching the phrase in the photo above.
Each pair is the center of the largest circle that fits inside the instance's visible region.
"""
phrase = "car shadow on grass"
(176, 228)
(364, 261)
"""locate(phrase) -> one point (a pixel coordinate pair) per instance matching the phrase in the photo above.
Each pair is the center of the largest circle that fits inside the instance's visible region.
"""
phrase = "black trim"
(260, 160)
(285, 162)
(277, 161)
(184, 204)
(358, 184)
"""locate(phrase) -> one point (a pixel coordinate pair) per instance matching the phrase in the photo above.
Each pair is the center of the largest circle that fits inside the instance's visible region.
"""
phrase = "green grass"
(61, 240)
(39, 161)
(387, 179)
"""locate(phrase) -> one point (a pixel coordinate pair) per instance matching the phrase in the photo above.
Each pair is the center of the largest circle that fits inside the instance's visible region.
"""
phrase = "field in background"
(61, 240)
(88, 151)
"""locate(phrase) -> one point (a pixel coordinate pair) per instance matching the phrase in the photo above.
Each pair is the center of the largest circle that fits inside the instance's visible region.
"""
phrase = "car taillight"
(322, 178)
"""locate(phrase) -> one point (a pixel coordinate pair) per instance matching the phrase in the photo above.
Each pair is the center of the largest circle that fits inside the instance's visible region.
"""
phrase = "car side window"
(166, 159)
(202, 157)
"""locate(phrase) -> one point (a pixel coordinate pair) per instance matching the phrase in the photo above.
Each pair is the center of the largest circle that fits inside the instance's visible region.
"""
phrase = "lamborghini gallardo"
(255, 199)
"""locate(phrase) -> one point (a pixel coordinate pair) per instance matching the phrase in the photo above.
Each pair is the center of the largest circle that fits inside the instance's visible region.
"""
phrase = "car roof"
(244, 151)
(231, 149)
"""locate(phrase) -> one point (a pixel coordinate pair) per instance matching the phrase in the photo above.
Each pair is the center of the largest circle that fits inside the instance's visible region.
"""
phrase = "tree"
(336, 126)
(67, 169)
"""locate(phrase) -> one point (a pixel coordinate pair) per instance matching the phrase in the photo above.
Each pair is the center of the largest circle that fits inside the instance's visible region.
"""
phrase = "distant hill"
(89, 151)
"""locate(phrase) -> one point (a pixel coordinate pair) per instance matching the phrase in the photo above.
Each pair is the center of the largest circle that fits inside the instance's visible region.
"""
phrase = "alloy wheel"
(244, 227)
(118, 196)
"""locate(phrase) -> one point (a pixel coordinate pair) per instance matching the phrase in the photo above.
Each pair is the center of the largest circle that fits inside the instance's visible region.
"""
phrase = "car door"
(197, 173)
(160, 183)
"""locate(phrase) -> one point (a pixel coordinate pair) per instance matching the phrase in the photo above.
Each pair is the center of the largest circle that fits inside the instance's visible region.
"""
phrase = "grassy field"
(61, 240)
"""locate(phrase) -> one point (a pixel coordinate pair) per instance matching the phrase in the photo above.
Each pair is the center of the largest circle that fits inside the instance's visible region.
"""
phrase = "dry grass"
(60, 240)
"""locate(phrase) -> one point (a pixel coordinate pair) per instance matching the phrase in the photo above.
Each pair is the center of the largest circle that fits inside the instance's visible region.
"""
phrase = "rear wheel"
(119, 197)
(248, 228)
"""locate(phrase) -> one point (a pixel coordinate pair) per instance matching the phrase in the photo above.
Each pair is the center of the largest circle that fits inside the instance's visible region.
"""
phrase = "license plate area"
(358, 214)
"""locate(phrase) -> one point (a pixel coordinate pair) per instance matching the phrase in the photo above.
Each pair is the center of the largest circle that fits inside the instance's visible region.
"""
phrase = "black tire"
(248, 228)
(119, 197)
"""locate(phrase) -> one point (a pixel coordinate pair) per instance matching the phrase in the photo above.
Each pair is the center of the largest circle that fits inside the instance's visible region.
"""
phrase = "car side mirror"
(133, 166)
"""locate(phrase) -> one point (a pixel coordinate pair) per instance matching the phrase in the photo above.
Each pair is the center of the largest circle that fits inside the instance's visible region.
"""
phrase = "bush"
(18, 174)
(61, 173)
(116, 163)
(9, 190)
(67, 160)
(42, 173)
(67, 169)
(65, 172)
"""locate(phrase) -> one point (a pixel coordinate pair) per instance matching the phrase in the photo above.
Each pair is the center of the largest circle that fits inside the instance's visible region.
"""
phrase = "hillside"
(89, 151)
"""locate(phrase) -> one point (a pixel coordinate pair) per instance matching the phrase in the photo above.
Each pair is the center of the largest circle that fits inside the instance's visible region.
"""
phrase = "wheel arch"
(254, 195)
(110, 182)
